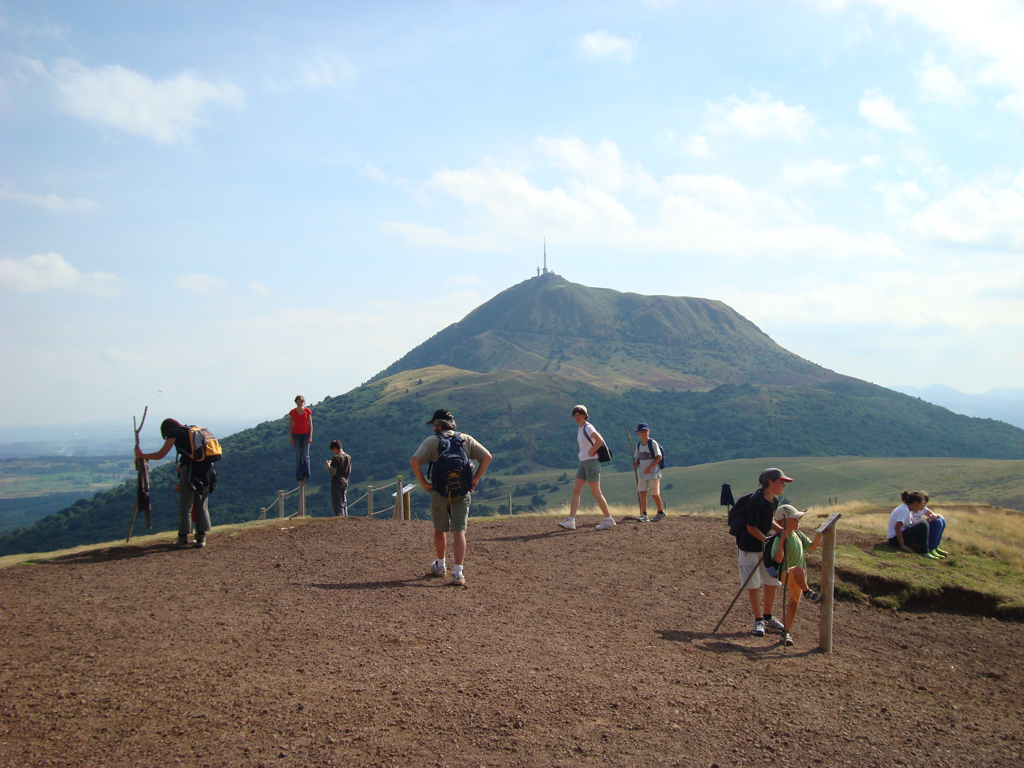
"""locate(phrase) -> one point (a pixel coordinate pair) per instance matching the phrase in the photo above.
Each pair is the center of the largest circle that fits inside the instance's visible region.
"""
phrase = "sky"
(208, 208)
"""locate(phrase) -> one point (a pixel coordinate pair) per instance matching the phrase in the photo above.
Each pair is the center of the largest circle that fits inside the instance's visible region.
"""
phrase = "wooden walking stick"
(747, 581)
(141, 479)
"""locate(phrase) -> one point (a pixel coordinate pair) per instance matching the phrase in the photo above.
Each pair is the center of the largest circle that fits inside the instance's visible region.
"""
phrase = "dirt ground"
(324, 643)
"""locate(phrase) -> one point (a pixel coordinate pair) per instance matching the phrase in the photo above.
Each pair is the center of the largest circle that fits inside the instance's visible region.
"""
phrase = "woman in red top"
(300, 433)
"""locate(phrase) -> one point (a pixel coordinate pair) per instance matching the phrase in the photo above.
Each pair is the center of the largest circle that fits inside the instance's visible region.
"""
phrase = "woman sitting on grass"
(912, 526)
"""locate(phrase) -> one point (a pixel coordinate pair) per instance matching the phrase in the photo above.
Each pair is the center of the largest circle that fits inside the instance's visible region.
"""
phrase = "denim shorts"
(590, 470)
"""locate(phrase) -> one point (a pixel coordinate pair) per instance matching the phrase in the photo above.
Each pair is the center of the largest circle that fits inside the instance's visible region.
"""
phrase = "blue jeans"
(935, 530)
(301, 455)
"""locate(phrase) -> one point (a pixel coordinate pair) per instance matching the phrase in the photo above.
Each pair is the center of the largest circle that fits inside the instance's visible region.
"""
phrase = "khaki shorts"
(649, 483)
(590, 470)
(459, 517)
(747, 562)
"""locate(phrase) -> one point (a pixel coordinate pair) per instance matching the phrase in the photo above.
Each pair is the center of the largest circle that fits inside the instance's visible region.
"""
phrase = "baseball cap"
(642, 426)
(788, 511)
(441, 415)
(772, 474)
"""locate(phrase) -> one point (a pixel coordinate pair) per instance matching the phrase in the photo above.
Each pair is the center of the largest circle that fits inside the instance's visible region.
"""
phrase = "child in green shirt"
(793, 545)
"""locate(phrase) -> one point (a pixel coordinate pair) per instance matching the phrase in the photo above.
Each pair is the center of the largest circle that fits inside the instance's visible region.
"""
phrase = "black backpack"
(452, 473)
(769, 561)
(604, 453)
(738, 515)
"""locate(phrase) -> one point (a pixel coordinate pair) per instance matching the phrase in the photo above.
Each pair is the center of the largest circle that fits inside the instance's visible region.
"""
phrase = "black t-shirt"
(760, 513)
(181, 443)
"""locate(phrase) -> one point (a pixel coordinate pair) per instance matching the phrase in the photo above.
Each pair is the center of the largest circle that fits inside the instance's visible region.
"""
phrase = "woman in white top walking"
(590, 441)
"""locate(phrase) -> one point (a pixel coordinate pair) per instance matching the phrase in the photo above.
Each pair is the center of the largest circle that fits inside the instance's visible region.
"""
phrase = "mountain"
(713, 386)
(1002, 403)
(612, 340)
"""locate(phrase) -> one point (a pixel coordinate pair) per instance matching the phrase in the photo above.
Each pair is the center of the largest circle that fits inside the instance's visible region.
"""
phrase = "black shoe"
(200, 541)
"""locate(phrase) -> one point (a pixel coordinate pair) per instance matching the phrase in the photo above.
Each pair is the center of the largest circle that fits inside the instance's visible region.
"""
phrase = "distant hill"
(1001, 403)
(714, 387)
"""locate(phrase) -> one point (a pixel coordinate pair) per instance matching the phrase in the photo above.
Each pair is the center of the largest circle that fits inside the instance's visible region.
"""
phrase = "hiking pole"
(785, 593)
(636, 476)
(727, 610)
(135, 509)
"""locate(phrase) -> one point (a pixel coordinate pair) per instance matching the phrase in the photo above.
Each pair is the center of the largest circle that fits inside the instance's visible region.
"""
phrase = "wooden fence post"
(510, 503)
(280, 503)
(828, 581)
(407, 505)
(369, 502)
(397, 514)
(302, 498)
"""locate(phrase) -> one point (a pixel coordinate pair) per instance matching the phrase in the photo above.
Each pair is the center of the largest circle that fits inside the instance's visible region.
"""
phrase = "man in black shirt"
(760, 515)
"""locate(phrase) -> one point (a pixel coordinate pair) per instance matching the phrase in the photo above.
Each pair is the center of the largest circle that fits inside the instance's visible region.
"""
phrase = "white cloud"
(819, 172)
(322, 69)
(964, 293)
(600, 164)
(693, 146)
(940, 84)
(989, 29)
(882, 112)
(163, 110)
(1013, 103)
(49, 201)
(979, 214)
(897, 197)
(760, 119)
(259, 289)
(371, 171)
(873, 161)
(50, 272)
(602, 45)
(199, 283)
(689, 214)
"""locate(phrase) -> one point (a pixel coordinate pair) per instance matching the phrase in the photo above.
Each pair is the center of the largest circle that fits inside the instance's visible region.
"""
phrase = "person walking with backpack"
(300, 434)
(590, 444)
(452, 481)
(754, 517)
(195, 481)
(647, 460)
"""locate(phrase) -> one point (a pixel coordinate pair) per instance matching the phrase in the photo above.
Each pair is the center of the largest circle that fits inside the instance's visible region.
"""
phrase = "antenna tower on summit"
(545, 255)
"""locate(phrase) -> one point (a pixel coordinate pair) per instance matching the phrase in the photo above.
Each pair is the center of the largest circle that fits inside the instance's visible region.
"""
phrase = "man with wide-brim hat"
(450, 455)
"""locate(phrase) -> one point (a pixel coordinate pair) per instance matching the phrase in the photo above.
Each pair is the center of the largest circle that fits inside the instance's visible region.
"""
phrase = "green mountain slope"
(611, 339)
(772, 404)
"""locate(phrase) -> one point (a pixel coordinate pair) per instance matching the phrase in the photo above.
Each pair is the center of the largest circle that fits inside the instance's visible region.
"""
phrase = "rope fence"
(400, 510)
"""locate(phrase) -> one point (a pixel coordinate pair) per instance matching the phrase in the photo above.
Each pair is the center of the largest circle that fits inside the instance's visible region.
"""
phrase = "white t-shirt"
(901, 514)
(584, 441)
(917, 517)
(643, 454)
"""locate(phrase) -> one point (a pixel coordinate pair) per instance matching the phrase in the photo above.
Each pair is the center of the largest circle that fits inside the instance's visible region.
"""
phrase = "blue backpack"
(452, 473)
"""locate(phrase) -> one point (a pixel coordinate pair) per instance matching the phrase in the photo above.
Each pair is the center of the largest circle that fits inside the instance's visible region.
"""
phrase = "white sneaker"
(569, 523)
(659, 517)
(438, 571)
(605, 524)
(643, 519)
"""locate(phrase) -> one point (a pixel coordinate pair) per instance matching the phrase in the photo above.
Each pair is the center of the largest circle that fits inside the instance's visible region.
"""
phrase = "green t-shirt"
(797, 544)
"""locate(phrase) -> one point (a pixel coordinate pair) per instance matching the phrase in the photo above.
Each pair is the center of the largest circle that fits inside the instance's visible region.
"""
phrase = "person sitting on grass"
(792, 545)
(912, 526)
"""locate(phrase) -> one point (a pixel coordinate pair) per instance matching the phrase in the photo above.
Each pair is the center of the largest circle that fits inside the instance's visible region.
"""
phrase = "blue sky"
(208, 208)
